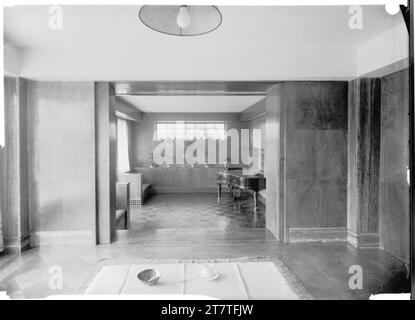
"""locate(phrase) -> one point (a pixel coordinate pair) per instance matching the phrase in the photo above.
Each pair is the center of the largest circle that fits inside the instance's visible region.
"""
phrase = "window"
(123, 162)
(189, 131)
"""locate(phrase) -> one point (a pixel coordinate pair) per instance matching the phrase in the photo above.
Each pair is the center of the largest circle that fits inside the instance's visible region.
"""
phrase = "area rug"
(237, 280)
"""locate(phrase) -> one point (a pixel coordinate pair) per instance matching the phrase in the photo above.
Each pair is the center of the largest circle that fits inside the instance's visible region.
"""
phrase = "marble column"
(16, 226)
(106, 147)
(274, 161)
(363, 162)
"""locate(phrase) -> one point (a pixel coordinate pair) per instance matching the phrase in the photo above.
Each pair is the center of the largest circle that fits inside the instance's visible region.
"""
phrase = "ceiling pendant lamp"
(181, 20)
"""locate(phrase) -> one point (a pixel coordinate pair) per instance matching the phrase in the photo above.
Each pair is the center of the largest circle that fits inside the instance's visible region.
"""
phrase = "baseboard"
(62, 238)
(184, 190)
(317, 234)
(16, 245)
(363, 240)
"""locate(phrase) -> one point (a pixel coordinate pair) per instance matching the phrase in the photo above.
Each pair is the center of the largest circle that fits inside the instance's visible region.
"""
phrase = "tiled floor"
(182, 219)
(197, 211)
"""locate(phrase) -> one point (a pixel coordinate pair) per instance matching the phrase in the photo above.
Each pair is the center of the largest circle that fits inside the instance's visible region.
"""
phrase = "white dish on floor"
(207, 272)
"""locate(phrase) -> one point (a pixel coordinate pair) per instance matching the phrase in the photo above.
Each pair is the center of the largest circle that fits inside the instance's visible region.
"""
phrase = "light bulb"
(183, 18)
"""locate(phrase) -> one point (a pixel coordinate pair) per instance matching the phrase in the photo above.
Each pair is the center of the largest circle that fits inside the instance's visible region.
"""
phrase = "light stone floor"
(323, 268)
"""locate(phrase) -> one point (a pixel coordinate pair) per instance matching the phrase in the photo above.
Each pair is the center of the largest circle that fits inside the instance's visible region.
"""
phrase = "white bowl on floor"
(207, 272)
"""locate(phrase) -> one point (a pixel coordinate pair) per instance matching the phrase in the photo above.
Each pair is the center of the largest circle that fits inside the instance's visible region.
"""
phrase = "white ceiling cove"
(277, 43)
(191, 103)
(242, 26)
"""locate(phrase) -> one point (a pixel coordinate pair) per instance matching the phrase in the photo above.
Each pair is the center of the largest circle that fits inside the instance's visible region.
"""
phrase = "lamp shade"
(181, 20)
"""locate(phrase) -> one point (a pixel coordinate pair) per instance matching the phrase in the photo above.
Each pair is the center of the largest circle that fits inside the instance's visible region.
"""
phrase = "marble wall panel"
(393, 186)
(363, 160)
(302, 154)
(330, 160)
(316, 154)
(2, 194)
(61, 149)
(16, 212)
(318, 105)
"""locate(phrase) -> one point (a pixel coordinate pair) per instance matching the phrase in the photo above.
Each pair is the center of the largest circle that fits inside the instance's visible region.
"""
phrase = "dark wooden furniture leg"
(255, 201)
(219, 191)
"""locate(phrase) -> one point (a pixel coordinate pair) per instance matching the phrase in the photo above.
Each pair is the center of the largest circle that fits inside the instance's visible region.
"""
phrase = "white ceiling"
(191, 103)
(109, 43)
(103, 26)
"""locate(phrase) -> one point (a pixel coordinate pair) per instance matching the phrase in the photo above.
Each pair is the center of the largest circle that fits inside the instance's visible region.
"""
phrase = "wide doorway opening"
(192, 155)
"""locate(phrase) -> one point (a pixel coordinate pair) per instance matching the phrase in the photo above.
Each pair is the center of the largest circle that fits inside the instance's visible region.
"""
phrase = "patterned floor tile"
(183, 211)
